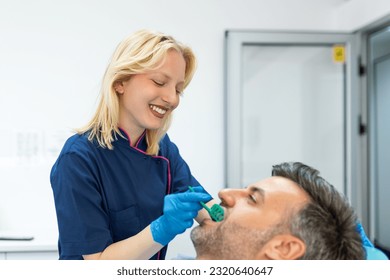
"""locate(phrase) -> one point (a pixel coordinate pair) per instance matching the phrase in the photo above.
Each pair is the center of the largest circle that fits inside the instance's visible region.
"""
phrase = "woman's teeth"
(158, 109)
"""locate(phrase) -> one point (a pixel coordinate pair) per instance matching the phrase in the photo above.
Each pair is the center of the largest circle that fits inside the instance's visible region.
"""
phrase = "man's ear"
(284, 247)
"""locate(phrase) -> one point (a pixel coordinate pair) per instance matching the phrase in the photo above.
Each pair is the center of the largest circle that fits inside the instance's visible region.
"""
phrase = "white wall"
(52, 57)
(357, 14)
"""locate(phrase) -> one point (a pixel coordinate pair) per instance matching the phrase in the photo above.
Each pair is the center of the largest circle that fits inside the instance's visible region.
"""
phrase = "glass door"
(293, 110)
(291, 97)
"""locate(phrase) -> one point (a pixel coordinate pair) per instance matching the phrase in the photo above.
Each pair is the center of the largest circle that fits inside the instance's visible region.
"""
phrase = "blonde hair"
(143, 51)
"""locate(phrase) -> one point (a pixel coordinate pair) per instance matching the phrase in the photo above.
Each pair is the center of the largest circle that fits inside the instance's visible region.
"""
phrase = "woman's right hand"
(179, 212)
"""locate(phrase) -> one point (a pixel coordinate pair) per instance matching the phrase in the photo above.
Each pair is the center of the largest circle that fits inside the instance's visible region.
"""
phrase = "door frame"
(234, 41)
(368, 148)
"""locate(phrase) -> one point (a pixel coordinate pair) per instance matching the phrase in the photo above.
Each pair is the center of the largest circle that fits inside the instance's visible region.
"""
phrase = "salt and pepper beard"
(231, 241)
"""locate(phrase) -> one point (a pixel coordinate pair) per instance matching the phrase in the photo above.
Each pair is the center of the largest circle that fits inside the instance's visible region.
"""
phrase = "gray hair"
(327, 224)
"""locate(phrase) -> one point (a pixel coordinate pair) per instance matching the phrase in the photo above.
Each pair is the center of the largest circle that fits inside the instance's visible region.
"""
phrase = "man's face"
(253, 216)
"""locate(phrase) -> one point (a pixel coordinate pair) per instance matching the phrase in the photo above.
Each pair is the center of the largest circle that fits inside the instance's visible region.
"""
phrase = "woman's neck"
(132, 134)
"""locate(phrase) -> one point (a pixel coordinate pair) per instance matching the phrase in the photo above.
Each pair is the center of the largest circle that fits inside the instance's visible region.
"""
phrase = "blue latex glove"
(366, 241)
(179, 212)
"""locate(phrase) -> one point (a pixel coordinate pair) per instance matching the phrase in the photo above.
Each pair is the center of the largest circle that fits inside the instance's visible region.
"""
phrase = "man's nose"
(229, 197)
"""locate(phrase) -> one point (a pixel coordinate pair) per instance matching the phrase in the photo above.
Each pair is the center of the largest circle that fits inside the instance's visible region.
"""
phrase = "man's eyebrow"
(258, 191)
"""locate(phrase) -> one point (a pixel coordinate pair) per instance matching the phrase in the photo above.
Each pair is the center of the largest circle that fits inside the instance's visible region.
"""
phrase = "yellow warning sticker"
(339, 54)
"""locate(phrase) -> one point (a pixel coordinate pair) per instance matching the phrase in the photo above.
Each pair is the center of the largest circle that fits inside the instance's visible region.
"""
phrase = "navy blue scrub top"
(103, 196)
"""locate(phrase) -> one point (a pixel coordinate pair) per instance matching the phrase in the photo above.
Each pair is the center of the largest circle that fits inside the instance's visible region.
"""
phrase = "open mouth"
(158, 111)
(210, 222)
(207, 221)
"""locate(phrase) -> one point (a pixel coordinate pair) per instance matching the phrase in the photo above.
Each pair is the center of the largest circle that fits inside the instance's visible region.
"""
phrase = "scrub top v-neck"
(103, 196)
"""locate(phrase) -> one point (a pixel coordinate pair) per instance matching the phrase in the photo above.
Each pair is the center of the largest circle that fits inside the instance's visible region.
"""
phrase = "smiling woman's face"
(250, 215)
(146, 100)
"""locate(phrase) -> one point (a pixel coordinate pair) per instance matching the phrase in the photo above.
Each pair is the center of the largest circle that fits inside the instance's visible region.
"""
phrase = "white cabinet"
(42, 247)
(43, 255)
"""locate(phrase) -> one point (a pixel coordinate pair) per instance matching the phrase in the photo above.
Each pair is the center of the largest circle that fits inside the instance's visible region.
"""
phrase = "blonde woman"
(120, 185)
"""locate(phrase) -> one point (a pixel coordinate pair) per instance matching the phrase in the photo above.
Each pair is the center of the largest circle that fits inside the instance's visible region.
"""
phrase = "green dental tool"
(216, 212)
